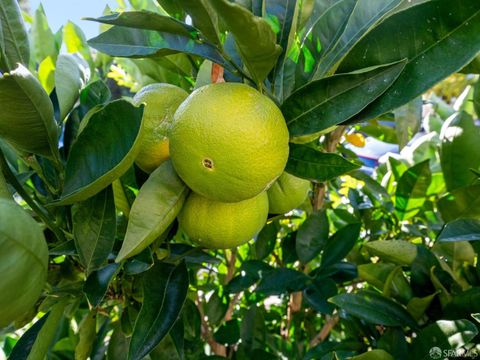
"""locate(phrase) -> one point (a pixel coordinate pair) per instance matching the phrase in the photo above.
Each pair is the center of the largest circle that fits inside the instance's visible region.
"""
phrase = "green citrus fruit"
(23, 261)
(161, 102)
(220, 225)
(287, 193)
(228, 142)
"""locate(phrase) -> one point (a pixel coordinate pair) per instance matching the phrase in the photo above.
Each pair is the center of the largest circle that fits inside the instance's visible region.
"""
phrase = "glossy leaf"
(157, 204)
(95, 93)
(461, 203)
(71, 75)
(443, 334)
(396, 251)
(318, 293)
(203, 17)
(165, 290)
(412, 189)
(445, 41)
(25, 343)
(459, 137)
(14, 45)
(460, 230)
(282, 280)
(137, 43)
(340, 244)
(374, 308)
(314, 165)
(97, 283)
(254, 37)
(26, 119)
(93, 164)
(312, 236)
(333, 100)
(148, 20)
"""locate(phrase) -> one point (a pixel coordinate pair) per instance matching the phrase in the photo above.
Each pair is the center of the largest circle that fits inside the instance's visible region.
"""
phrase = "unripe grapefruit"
(287, 193)
(23, 262)
(220, 225)
(228, 142)
(161, 102)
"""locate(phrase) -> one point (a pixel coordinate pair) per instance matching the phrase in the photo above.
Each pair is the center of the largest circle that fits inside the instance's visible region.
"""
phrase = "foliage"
(383, 258)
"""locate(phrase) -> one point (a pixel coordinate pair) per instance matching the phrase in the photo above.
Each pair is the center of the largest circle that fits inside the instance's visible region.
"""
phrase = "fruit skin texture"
(287, 193)
(219, 225)
(228, 142)
(162, 100)
(23, 261)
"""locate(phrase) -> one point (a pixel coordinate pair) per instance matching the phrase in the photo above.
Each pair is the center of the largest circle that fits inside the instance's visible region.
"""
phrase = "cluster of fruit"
(229, 144)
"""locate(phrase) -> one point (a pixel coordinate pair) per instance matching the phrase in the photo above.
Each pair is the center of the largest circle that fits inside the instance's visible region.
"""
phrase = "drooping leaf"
(445, 41)
(71, 75)
(148, 20)
(157, 204)
(103, 151)
(26, 119)
(137, 43)
(396, 251)
(282, 280)
(340, 244)
(308, 163)
(443, 334)
(203, 17)
(14, 45)
(97, 283)
(461, 203)
(374, 308)
(254, 37)
(312, 236)
(412, 189)
(164, 291)
(459, 137)
(94, 227)
(333, 100)
(460, 230)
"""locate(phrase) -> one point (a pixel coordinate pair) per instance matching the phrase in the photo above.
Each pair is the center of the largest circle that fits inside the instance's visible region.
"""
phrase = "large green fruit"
(220, 225)
(287, 193)
(228, 142)
(23, 261)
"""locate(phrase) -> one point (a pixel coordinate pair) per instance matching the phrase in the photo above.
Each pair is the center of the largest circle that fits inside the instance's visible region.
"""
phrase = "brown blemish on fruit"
(208, 163)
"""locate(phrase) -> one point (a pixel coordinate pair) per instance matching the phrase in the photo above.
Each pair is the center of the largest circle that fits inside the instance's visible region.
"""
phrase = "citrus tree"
(186, 185)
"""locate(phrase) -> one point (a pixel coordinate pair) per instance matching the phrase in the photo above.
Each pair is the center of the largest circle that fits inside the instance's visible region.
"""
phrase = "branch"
(325, 331)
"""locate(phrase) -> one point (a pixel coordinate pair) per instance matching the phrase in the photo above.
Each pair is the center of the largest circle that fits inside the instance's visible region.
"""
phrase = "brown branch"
(325, 331)
(217, 348)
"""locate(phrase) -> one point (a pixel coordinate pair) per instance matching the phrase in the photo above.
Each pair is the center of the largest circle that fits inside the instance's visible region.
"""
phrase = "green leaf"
(318, 293)
(254, 37)
(312, 236)
(95, 93)
(216, 307)
(324, 349)
(97, 283)
(443, 334)
(461, 203)
(14, 45)
(75, 41)
(71, 75)
(249, 273)
(266, 240)
(203, 17)
(460, 230)
(459, 137)
(365, 16)
(412, 189)
(157, 204)
(339, 245)
(408, 119)
(447, 37)
(228, 333)
(374, 308)
(282, 280)
(86, 335)
(92, 164)
(320, 37)
(476, 93)
(330, 101)
(375, 354)
(310, 164)
(24, 344)
(43, 39)
(375, 273)
(94, 228)
(165, 290)
(137, 43)
(418, 306)
(148, 20)
(399, 252)
(26, 119)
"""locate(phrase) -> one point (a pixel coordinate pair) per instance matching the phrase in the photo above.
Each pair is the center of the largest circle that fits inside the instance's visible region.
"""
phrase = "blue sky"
(60, 11)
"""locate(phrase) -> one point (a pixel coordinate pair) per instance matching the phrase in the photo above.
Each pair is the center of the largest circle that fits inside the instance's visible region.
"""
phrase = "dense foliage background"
(380, 263)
